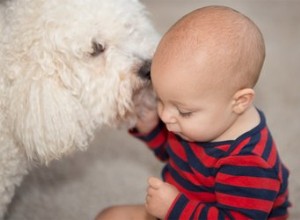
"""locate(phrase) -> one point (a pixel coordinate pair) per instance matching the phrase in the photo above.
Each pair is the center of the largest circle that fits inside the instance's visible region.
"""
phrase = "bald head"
(231, 45)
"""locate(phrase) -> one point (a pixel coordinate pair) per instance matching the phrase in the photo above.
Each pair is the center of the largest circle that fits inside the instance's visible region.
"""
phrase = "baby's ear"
(242, 100)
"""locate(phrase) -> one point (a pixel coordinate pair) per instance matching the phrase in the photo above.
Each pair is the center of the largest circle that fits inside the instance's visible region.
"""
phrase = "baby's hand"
(146, 112)
(160, 196)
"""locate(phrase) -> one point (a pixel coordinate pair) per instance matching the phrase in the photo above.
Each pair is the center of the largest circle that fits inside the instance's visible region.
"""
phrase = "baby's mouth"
(182, 136)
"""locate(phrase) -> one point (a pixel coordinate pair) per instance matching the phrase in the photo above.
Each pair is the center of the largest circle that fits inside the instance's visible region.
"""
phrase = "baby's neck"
(245, 122)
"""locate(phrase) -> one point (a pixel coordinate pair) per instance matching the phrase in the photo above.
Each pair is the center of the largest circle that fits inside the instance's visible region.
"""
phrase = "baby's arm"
(242, 192)
(149, 128)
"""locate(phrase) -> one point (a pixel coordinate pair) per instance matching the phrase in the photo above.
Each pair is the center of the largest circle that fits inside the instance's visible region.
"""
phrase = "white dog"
(67, 67)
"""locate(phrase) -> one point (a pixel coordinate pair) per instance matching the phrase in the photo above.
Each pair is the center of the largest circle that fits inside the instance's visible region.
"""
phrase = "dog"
(67, 68)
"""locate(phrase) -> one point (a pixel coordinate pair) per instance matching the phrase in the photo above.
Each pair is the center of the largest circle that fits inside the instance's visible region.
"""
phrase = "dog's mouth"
(143, 76)
(141, 94)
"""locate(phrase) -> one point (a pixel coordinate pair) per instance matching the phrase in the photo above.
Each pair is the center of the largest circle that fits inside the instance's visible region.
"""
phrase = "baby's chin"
(182, 136)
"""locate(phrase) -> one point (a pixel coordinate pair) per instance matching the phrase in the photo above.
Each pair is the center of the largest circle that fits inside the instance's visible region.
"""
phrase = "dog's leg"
(13, 168)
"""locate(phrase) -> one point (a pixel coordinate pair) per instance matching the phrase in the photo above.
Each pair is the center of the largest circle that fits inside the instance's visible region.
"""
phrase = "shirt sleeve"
(155, 140)
(246, 187)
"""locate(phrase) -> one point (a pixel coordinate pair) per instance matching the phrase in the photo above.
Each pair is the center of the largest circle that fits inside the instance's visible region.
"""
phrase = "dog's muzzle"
(144, 71)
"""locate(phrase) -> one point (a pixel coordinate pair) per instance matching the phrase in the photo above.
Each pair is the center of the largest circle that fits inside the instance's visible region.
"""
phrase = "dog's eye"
(97, 49)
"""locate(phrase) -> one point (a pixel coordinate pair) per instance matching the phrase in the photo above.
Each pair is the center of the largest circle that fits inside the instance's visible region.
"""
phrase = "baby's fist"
(160, 196)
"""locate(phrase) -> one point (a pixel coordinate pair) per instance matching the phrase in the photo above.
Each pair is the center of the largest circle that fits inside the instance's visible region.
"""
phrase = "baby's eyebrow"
(186, 106)
(177, 104)
(180, 104)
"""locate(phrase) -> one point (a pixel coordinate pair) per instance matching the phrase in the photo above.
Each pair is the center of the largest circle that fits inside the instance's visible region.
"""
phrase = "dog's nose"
(144, 71)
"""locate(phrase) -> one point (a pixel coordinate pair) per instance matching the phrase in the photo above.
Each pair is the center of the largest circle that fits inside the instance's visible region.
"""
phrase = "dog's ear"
(47, 118)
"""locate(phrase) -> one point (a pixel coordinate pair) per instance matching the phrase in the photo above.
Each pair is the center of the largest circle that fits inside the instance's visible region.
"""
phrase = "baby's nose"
(144, 71)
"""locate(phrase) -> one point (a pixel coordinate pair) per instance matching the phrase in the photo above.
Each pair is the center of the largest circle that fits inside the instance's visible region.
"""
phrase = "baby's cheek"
(159, 109)
(195, 130)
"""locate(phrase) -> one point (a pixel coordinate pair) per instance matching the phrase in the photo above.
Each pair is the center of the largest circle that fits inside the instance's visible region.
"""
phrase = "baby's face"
(189, 102)
(198, 67)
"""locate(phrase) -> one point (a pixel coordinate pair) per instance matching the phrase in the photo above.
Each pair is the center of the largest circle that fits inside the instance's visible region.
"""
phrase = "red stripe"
(250, 182)
(224, 147)
(273, 155)
(188, 210)
(196, 178)
(281, 199)
(205, 159)
(177, 149)
(213, 213)
(244, 202)
(208, 181)
(157, 141)
(198, 211)
(247, 160)
(280, 173)
(240, 146)
(172, 206)
(200, 196)
(260, 146)
(238, 215)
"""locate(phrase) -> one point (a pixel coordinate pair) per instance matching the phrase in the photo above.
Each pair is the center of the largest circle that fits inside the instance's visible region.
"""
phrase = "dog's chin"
(142, 97)
(145, 95)
(125, 121)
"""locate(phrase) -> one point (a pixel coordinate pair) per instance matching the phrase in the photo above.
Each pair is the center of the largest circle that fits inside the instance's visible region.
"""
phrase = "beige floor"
(115, 168)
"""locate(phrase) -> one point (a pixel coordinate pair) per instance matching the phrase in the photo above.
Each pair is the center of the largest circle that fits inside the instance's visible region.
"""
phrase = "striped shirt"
(239, 179)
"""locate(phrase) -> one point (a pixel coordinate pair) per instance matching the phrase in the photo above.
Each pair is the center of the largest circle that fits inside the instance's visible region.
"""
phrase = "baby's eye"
(184, 114)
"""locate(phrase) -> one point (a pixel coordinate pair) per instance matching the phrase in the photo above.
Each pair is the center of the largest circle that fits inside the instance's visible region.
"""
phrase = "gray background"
(115, 167)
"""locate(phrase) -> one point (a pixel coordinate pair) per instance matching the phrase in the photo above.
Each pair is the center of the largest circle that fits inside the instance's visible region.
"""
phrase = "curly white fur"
(67, 67)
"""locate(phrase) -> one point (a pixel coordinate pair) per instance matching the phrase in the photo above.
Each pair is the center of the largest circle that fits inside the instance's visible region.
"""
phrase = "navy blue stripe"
(222, 215)
(250, 146)
(248, 171)
(256, 193)
(234, 146)
(194, 212)
(195, 162)
(251, 213)
(252, 143)
(215, 152)
(268, 148)
(212, 144)
(178, 208)
(204, 212)
(164, 171)
(277, 164)
(153, 133)
(161, 153)
(186, 184)
(252, 133)
(280, 211)
(183, 165)
(284, 185)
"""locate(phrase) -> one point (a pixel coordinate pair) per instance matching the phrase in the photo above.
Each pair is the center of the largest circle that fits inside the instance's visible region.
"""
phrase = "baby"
(221, 160)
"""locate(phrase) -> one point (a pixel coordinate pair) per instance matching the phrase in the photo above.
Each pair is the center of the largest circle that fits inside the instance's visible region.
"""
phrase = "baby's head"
(213, 54)
(219, 43)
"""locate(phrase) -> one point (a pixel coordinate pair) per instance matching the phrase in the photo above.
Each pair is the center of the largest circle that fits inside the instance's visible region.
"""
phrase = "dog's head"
(72, 66)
